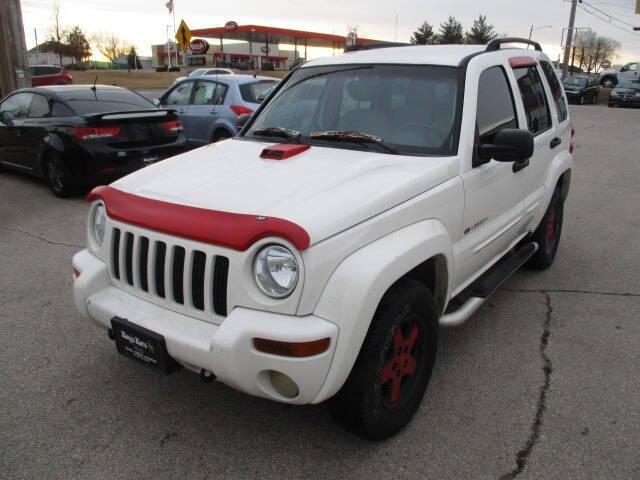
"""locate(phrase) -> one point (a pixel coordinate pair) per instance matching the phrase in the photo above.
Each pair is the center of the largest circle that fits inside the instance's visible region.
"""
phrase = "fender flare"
(355, 288)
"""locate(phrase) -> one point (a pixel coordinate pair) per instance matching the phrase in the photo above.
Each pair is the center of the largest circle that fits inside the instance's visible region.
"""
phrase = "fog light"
(283, 384)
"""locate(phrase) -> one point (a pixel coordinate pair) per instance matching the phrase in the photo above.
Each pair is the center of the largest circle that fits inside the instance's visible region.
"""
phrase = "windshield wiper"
(355, 137)
(290, 135)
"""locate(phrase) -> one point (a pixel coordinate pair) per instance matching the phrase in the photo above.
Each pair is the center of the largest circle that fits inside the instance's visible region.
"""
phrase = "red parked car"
(43, 75)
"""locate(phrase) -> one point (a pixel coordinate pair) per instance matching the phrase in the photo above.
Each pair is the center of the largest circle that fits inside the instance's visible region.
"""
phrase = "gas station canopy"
(276, 35)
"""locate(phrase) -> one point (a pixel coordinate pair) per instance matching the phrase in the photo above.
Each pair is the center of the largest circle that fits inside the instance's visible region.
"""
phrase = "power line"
(606, 14)
(608, 20)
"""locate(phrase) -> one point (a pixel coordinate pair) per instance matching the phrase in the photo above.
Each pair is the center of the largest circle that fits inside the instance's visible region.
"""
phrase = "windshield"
(410, 108)
(197, 72)
(629, 84)
(574, 82)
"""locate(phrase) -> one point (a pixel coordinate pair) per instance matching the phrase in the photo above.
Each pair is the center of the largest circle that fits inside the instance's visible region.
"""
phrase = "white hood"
(324, 190)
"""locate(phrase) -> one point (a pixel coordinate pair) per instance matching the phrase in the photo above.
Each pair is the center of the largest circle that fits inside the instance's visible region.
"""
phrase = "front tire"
(547, 235)
(392, 371)
(59, 176)
(220, 135)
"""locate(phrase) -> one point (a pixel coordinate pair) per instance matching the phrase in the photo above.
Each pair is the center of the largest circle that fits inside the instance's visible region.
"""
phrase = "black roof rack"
(374, 46)
(498, 42)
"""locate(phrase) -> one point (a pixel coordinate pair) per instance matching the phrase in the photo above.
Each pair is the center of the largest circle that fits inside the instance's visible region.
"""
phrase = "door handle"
(555, 142)
(213, 110)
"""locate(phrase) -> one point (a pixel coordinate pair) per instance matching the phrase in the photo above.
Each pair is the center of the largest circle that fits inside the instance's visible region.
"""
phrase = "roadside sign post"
(183, 37)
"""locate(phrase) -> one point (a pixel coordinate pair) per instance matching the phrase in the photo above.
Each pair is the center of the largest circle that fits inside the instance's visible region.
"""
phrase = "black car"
(581, 89)
(80, 135)
(626, 93)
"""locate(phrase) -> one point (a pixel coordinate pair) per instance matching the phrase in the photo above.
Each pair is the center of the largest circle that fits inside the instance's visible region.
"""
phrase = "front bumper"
(227, 349)
(621, 101)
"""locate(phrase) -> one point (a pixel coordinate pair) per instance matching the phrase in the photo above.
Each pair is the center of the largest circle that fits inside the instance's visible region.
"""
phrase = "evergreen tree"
(424, 35)
(481, 32)
(132, 59)
(451, 32)
(77, 45)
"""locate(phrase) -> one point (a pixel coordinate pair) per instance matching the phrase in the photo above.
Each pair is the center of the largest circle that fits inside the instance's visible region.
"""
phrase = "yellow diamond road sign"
(183, 36)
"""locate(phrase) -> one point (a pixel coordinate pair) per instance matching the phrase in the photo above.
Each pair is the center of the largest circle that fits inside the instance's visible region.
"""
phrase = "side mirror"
(509, 145)
(7, 118)
(156, 102)
(242, 120)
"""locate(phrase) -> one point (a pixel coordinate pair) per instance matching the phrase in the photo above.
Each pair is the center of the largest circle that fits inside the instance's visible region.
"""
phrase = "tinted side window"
(496, 109)
(179, 95)
(39, 107)
(556, 90)
(17, 104)
(61, 110)
(533, 98)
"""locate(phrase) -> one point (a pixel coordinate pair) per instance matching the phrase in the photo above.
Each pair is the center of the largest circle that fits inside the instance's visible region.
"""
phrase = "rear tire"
(59, 176)
(547, 235)
(392, 371)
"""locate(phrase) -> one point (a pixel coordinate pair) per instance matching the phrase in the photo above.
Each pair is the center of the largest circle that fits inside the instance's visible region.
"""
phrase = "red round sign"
(198, 46)
(231, 25)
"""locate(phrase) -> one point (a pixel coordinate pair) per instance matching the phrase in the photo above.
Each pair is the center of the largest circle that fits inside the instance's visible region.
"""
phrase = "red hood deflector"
(232, 230)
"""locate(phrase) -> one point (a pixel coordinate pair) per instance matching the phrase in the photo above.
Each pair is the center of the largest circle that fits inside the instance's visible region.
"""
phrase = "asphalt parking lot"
(543, 382)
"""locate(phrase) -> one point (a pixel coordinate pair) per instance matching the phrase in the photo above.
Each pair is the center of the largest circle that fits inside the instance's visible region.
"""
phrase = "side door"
(205, 110)
(550, 134)
(34, 129)
(12, 142)
(179, 98)
(493, 191)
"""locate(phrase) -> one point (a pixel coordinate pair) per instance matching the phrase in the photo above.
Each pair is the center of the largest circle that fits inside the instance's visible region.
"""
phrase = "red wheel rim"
(401, 364)
(551, 227)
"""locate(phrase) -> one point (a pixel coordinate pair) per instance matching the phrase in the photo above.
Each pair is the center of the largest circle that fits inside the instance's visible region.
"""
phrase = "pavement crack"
(568, 290)
(46, 240)
(524, 453)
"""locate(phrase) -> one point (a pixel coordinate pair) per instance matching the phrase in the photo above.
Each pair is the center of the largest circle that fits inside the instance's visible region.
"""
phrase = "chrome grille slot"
(143, 262)
(161, 251)
(115, 253)
(164, 271)
(178, 274)
(220, 274)
(128, 257)
(197, 279)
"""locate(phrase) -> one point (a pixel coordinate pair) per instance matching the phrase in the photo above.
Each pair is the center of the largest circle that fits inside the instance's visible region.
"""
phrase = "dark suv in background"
(581, 88)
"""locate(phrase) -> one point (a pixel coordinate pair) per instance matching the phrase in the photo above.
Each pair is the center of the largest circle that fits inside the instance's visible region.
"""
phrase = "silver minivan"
(209, 106)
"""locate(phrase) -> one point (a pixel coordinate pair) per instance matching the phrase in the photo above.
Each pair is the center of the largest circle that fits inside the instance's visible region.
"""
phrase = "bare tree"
(110, 45)
(56, 31)
(592, 49)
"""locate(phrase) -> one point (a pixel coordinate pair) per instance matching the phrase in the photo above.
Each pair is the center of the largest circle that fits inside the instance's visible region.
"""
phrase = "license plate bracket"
(142, 345)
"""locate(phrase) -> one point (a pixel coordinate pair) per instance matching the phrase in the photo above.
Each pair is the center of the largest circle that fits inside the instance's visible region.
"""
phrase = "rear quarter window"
(251, 91)
(556, 90)
(534, 99)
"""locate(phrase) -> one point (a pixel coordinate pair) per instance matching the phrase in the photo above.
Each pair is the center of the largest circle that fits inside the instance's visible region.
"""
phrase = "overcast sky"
(143, 22)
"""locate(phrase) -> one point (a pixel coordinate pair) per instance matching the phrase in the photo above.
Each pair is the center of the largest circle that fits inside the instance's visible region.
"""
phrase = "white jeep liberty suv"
(372, 198)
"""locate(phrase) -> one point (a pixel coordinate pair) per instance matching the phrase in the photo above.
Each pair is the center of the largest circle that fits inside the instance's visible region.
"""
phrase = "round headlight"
(275, 270)
(99, 222)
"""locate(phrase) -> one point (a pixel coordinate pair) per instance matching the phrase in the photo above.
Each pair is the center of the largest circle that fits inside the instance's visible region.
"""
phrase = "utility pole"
(14, 65)
(569, 43)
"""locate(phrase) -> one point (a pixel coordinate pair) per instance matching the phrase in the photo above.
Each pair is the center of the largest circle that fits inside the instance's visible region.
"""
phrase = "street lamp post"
(533, 27)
